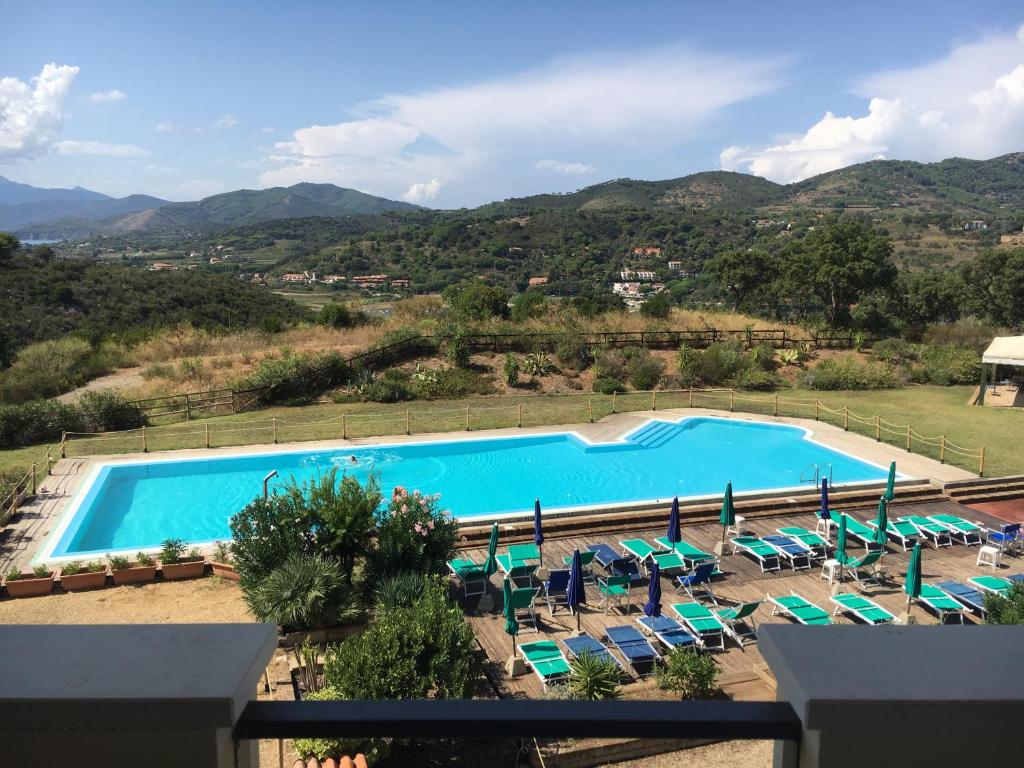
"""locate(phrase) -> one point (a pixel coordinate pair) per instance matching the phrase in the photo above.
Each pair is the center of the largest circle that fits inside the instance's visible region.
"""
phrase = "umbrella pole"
(540, 551)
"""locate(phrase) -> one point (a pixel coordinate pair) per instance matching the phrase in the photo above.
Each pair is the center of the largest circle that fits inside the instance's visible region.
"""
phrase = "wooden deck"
(744, 674)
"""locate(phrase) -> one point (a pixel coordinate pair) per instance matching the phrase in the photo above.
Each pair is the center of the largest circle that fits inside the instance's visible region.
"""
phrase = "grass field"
(932, 411)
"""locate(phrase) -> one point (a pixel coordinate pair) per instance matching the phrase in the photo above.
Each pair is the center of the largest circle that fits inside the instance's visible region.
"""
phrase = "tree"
(741, 273)
(527, 305)
(839, 262)
(931, 297)
(476, 300)
(8, 245)
(994, 286)
(659, 305)
(335, 315)
(303, 592)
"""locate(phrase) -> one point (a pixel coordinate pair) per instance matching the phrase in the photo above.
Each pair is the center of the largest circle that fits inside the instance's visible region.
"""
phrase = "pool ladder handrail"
(806, 477)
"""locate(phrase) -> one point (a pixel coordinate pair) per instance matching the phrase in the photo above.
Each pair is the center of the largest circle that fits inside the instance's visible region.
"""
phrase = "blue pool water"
(133, 506)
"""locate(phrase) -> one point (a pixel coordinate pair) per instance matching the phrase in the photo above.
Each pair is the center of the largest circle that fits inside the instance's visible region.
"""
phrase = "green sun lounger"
(694, 555)
(798, 609)
(864, 609)
(471, 574)
(936, 533)
(734, 619)
(703, 624)
(858, 530)
(763, 552)
(586, 563)
(941, 603)
(614, 590)
(904, 531)
(963, 530)
(524, 552)
(670, 563)
(523, 602)
(817, 543)
(546, 660)
(519, 572)
(641, 549)
(995, 585)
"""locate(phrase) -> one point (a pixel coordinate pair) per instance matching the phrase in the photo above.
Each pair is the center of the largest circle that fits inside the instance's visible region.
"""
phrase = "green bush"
(688, 365)
(592, 678)
(335, 315)
(573, 352)
(895, 352)
(694, 675)
(606, 385)
(755, 378)
(947, 364)
(849, 373)
(375, 750)
(528, 304)
(721, 362)
(392, 386)
(762, 357)
(644, 369)
(50, 368)
(476, 300)
(265, 533)
(659, 305)
(449, 383)
(1005, 610)
(413, 534)
(456, 351)
(293, 376)
(511, 369)
(38, 421)
(400, 590)
(304, 592)
(424, 651)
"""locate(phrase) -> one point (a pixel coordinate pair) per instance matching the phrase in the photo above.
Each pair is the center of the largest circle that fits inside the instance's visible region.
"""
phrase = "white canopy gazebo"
(1004, 350)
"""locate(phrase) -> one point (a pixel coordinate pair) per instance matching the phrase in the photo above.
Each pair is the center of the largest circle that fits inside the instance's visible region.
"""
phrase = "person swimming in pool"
(353, 459)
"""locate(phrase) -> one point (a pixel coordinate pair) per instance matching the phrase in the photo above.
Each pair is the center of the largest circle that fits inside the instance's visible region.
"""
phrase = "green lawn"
(932, 411)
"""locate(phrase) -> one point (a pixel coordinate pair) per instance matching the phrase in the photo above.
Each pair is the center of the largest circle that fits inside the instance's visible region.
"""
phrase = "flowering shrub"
(414, 534)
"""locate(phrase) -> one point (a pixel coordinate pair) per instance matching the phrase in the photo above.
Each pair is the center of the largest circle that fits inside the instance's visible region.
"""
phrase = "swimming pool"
(131, 505)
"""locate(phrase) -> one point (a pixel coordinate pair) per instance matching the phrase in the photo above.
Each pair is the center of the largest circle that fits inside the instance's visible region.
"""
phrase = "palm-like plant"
(592, 678)
(538, 364)
(304, 592)
(398, 591)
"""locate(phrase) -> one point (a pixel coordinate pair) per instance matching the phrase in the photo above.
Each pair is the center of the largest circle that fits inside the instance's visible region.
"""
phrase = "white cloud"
(968, 104)
(475, 133)
(72, 147)
(560, 166)
(105, 97)
(31, 113)
(164, 127)
(227, 121)
(423, 191)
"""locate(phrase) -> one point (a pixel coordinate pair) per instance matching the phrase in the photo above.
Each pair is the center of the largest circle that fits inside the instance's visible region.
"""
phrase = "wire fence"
(527, 412)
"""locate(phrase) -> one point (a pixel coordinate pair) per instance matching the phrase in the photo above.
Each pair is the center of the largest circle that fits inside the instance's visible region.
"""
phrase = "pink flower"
(405, 508)
(416, 494)
(418, 528)
(430, 525)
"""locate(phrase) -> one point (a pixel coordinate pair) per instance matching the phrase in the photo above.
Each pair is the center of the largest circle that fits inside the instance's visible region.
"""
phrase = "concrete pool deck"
(23, 538)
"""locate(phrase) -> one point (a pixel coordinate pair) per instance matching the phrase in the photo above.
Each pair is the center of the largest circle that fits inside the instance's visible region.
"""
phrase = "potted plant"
(222, 563)
(38, 582)
(179, 562)
(76, 576)
(125, 571)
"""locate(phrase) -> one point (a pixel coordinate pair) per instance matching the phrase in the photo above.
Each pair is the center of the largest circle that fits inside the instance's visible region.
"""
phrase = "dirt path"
(126, 378)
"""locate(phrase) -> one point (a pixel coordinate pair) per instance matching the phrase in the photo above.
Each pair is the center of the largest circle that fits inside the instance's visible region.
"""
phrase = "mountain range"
(965, 188)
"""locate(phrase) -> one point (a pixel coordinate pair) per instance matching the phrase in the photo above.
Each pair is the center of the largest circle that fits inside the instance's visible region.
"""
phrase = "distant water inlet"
(138, 504)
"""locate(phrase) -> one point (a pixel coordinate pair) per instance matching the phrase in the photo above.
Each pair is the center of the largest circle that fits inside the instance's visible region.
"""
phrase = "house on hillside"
(295, 277)
(627, 289)
(160, 266)
(537, 281)
(647, 250)
(675, 266)
(402, 283)
(975, 226)
(332, 279)
(644, 275)
(369, 281)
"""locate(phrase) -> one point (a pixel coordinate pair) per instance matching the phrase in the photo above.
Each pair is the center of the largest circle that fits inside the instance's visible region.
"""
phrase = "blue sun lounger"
(969, 597)
(615, 564)
(669, 632)
(577, 646)
(634, 647)
(795, 553)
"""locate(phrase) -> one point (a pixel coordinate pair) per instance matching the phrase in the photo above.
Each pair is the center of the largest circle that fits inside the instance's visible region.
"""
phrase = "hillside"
(67, 218)
(14, 193)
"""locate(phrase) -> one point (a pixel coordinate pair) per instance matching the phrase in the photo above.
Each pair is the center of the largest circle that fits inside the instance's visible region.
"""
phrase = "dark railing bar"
(425, 718)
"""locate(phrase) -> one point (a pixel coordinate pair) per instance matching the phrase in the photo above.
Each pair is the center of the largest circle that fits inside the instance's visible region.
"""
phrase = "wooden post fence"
(63, 445)
(49, 461)
(981, 462)
(878, 428)
(207, 434)
(145, 447)
(408, 431)
(776, 411)
(274, 424)
(731, 400)
(613, 402)
(520, 415)
(908, 438)
(817, 405)
(846, 418)
(691, 397)
(344, 433)
(942, 448)
(467, 418)
(590, 409)
(654, 400)
(33, 478)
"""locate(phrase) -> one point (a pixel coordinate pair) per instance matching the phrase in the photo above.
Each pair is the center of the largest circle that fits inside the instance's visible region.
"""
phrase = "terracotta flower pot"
(190, 570)
(138, 574)
(79, 581)
(30, 587)
(225, 571)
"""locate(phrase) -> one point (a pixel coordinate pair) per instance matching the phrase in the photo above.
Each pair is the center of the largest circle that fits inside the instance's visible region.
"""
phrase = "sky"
(459, 103)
